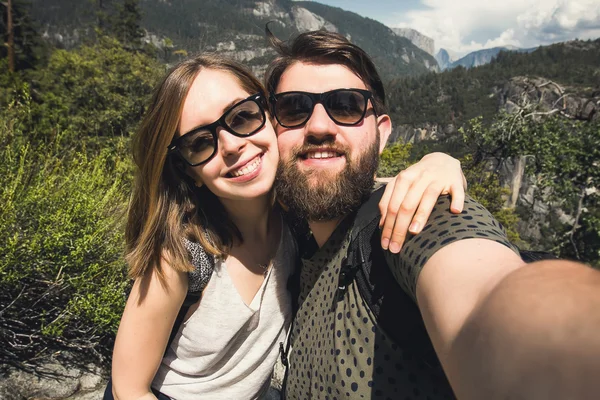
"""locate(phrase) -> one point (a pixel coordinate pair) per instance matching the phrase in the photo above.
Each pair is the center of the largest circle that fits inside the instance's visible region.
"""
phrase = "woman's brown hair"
(165, 205)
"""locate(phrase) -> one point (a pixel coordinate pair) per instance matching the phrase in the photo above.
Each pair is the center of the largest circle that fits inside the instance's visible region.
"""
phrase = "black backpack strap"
(190, 299)
(378, 286)
(366, 223)
(204, 265)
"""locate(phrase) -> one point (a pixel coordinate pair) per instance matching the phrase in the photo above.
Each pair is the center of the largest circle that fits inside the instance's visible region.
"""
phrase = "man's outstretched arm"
(503, 329)
(535, 336)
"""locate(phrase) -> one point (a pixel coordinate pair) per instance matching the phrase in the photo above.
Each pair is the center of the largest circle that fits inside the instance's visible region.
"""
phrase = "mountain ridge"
(236, 29)
(483, 56)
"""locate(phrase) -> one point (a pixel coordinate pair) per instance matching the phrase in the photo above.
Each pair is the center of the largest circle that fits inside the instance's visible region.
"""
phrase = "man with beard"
(453, 296)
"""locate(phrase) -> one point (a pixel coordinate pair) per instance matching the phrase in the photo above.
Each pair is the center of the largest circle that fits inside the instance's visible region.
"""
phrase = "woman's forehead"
(211, 93)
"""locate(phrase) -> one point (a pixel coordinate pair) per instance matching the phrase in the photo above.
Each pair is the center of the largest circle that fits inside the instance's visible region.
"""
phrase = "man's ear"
(384, 125)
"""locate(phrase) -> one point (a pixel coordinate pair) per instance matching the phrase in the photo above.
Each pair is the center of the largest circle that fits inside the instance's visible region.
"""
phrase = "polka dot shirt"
(340, 351)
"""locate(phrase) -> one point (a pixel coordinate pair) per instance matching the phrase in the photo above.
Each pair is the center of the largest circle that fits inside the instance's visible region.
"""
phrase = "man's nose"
(320, 124)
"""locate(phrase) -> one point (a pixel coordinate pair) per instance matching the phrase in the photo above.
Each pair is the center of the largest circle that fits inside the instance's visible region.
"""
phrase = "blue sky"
(463, 26)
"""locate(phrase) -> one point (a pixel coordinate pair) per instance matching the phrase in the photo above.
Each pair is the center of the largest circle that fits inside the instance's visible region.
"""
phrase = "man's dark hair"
(323, 47)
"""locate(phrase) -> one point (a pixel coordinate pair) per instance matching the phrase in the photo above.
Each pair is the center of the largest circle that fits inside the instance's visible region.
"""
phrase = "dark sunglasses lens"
(346, 106)
(246, 118)
(197, 147)
(293, 109)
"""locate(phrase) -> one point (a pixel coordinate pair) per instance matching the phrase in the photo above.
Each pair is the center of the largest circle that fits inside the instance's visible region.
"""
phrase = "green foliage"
(94, 91)
(563, 157)
(394, 159)
(29, 48)
(127, 24)
(62, 276)
(484, 186)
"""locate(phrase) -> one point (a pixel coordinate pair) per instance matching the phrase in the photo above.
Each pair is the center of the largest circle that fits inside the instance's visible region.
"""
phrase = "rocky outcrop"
(539, 97)
(53, 380)
(308, 21)
(549, 97)
(267, 9)
(427, 131)
(444, 59)
(423, 42)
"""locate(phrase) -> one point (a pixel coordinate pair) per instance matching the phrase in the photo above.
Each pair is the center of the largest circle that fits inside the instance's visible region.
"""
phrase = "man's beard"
(319, 195)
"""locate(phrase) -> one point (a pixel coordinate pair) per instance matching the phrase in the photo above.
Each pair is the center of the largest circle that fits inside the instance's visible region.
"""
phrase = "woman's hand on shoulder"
(144, 331)
(410, 197)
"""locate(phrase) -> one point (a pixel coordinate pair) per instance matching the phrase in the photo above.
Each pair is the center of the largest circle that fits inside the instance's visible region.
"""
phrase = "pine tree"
(24, 47)
(10, 33)
(127, 24)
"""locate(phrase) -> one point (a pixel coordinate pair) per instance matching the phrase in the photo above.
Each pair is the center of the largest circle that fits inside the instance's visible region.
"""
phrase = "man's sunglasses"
(346, 107)
(243, 119)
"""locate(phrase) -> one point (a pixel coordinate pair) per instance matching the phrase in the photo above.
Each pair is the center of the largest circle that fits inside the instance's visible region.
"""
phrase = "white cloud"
(521, 23)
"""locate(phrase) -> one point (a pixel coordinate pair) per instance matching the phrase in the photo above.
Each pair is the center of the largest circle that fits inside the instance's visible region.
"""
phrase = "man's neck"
(322, 230)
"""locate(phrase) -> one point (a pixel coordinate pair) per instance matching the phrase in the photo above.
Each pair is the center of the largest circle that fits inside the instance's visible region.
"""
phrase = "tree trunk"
(11, 38)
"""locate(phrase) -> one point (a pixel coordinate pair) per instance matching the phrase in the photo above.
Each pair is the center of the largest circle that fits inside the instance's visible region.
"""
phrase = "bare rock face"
(427, 131)
(550, 96)
(53, 380)
(423, 42)
(56, 381)
(267, 9)
(308, 21)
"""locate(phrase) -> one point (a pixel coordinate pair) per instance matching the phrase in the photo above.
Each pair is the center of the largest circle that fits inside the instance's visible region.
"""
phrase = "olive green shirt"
(338, 348)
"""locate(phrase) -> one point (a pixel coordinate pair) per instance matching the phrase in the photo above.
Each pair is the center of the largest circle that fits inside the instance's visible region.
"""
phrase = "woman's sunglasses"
(345, 107)
(199, 145)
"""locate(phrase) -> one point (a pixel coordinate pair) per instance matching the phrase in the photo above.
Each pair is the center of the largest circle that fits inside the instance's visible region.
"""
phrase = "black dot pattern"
(443, 228)
(338, 349)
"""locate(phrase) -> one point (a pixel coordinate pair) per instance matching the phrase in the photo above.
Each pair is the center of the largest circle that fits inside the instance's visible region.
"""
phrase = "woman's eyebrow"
(226, 108)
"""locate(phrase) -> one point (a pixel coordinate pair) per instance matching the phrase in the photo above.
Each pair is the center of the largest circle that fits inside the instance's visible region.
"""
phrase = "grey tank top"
(226, 349)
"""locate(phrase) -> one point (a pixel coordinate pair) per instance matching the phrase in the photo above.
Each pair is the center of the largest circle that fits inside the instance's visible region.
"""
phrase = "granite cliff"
(423, 42)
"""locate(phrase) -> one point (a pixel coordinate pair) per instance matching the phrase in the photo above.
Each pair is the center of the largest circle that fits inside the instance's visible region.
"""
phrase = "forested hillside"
(68, 107)
(529, 122)
(235, 27)
(457, 95)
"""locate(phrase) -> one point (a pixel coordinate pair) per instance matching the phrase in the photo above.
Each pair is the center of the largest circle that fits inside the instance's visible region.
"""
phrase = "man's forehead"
(317, 78)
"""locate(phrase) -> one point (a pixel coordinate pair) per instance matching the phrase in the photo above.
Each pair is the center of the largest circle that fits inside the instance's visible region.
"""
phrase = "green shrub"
(394, 159)
(62, 275)
(93, 91)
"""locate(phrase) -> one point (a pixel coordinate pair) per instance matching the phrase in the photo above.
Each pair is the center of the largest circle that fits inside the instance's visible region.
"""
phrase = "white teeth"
(322, 154)
(248, 168)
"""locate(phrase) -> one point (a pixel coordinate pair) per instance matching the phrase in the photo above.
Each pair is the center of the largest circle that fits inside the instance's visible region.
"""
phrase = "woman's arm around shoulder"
(147, 321)
(410, 197)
